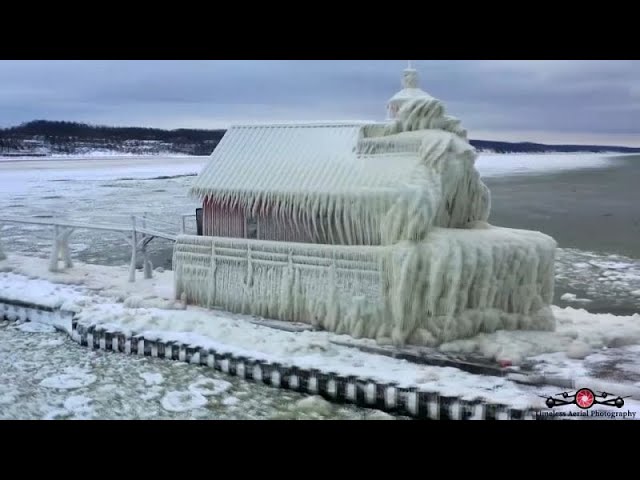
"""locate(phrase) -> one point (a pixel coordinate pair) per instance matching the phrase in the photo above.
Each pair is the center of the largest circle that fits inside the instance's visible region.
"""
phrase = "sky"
(546, 101)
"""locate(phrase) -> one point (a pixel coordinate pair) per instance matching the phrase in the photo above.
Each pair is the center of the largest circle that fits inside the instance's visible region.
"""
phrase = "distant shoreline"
(41, 138)
(165, 155)
(94, 156)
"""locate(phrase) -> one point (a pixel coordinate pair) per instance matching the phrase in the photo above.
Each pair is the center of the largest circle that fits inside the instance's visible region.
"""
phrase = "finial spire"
(410, 89)
(410, 77)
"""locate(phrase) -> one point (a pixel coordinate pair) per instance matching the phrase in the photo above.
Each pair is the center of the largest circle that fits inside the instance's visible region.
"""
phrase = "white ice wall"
(454, 285)
(316, 284)
(460, 282)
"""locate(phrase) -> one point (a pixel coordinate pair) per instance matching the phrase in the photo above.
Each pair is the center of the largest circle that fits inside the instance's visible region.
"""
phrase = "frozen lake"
(45, 375)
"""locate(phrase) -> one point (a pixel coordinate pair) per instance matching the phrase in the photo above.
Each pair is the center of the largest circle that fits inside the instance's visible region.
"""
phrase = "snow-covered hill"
(44, 138)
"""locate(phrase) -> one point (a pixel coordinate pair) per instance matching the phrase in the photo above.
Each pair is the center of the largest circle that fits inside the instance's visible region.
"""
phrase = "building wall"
(282, 230)
(218, 221)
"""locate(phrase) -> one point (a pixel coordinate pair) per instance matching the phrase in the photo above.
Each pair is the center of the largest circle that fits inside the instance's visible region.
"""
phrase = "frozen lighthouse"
(372, 229)
(410, 90)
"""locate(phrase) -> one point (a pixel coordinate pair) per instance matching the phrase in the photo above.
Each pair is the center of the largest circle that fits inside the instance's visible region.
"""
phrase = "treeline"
(526, 147)
(52, 137)
(73, 137)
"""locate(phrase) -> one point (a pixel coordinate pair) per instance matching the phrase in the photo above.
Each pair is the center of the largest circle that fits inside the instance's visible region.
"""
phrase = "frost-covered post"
(134, 247)
(2, 255)
(60, 248)
(148, 271)
(55, 253)
(66, 252)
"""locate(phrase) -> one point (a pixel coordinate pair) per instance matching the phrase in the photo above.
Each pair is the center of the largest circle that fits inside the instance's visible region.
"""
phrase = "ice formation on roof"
(376, 183)
(426, 266)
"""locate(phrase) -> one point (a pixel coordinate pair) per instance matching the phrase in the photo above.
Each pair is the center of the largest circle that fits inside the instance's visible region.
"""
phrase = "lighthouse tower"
(410, 89)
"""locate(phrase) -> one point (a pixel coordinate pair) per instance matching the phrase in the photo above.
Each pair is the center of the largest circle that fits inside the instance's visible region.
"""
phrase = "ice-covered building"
(373, 229)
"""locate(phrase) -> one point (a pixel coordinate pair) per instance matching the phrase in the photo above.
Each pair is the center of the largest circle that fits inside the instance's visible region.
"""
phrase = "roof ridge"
(328, 123)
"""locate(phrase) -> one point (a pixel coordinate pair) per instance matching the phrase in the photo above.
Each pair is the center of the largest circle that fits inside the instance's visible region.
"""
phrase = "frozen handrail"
(137, 230)
(124, 227)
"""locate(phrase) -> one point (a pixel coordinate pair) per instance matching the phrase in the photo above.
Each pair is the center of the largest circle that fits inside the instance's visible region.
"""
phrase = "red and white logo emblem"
(585, 398)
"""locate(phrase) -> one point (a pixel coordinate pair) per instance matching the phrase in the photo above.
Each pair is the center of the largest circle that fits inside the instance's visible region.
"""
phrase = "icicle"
(248, 280)
(298, 296)
(211, 290)
(286, 290)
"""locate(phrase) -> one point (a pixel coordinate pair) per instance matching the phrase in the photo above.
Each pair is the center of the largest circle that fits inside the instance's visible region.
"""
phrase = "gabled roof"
(353, 183)
(300, 159)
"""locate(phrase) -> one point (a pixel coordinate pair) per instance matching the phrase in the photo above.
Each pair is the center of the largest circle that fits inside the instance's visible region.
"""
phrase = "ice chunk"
(210, 386)
(182, 401)
(230, 401)
(33, 327)
(314, 404)
(578, 350)
(79, 406)
(69, 381)
(152, 378)
(570, 297)
(379, 415)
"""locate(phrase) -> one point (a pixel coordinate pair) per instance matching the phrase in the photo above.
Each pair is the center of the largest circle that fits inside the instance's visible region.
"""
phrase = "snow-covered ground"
(35, 362)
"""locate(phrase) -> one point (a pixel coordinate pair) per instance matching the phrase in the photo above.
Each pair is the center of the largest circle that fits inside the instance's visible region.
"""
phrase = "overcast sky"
(545, 101)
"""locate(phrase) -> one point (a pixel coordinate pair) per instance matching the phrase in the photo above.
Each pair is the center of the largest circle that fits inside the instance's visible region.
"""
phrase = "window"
(251, 227)
(198, 221)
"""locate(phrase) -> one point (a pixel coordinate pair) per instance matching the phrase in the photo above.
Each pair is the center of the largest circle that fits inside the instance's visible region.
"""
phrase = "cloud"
(570, 98)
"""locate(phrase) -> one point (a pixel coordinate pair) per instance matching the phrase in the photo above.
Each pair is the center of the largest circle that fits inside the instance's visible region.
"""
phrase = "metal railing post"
(134, 248)
(2, 255)
(146, 263)
(66, 250)
(55, 251)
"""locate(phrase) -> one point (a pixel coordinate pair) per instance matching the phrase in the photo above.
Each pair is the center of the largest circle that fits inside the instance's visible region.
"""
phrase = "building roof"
(378, 182)
(301, 159)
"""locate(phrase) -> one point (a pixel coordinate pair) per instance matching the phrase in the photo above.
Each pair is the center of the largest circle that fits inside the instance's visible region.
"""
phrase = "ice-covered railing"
(151, 224)
(308, 282)
(459, 283)
(144, 223)
(138, 231)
